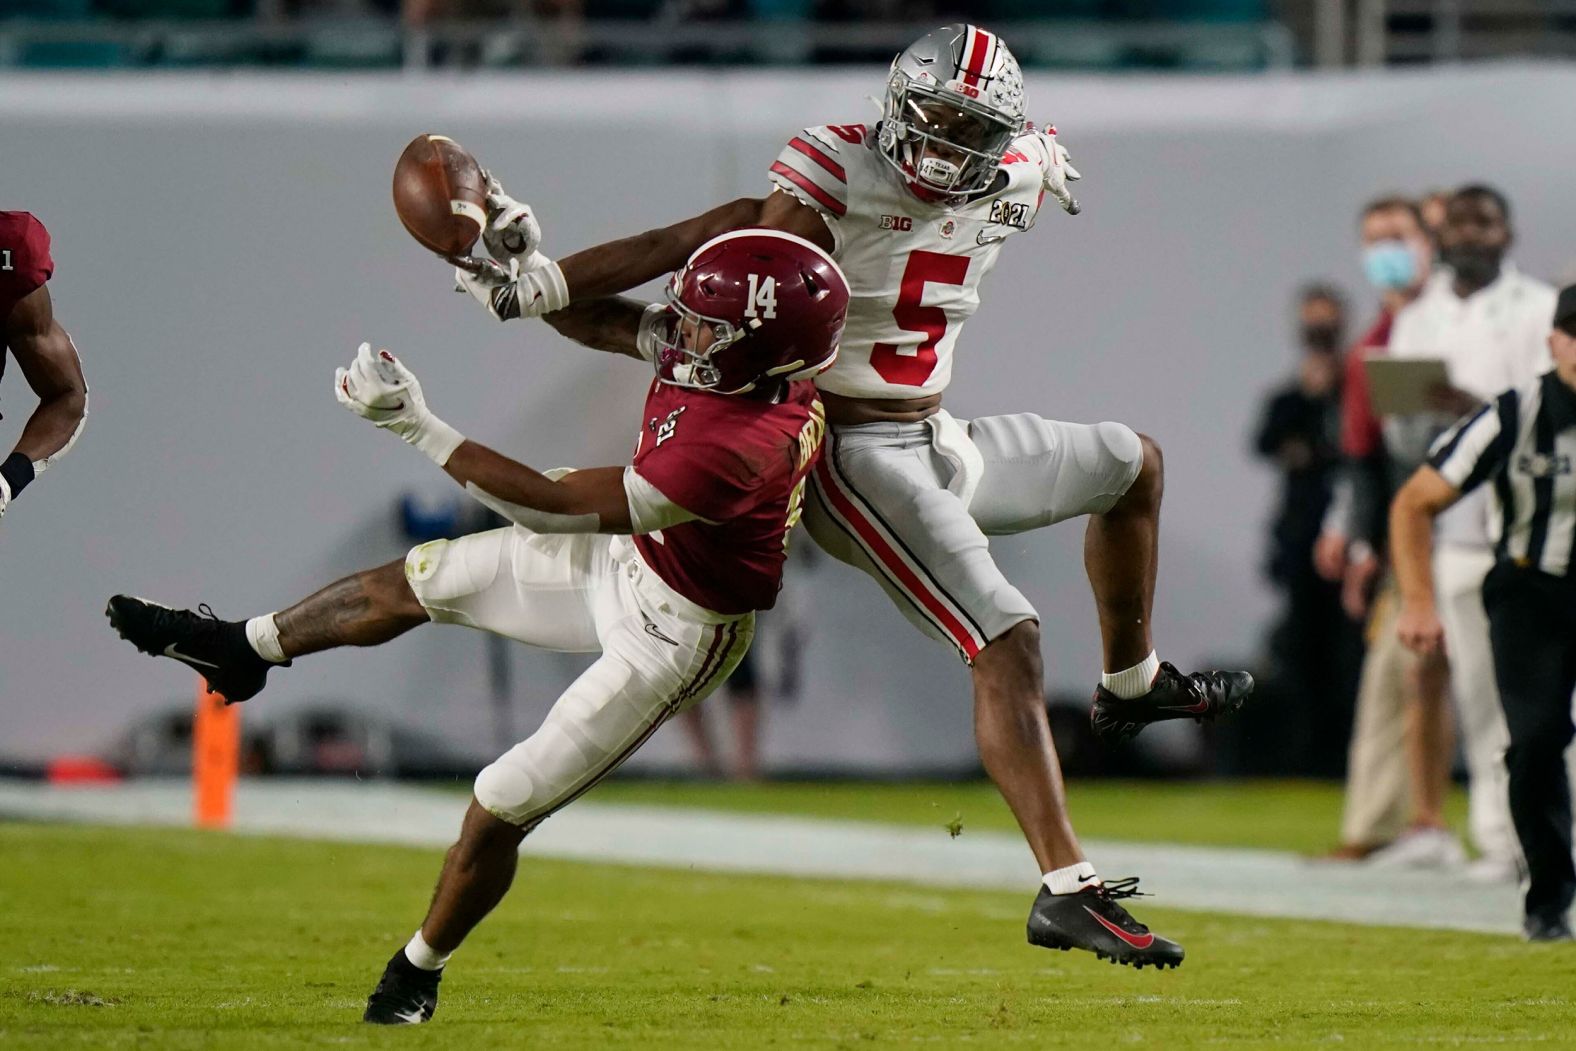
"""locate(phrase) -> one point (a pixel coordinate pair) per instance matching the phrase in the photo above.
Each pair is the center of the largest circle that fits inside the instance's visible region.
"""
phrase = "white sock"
(418, 952)
(1071, 879)
(1135, 681)
(263, 634)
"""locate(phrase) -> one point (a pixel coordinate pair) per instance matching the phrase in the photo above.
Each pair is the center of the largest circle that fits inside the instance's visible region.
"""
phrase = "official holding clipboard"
(1488, 324)
(1520, 449)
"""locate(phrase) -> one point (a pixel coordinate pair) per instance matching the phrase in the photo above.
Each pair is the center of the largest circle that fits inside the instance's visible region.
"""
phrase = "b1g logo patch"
(1010, 213)
(665, 427)
(1541, 465)
(896, 222)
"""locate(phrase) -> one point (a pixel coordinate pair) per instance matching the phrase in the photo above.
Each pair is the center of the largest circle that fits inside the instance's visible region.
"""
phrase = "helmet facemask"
(686, 366)
(941, 140)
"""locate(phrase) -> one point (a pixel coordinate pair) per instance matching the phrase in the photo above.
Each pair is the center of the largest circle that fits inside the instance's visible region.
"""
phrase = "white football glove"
(5, 495)
(379, 388)
(1051, 156)
(523, 288)
(512, 231)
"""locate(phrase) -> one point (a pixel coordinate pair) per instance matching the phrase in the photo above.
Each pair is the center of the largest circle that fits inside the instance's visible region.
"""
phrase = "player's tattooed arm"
(609, 323)
(618, 266)
(49, 363)
(597, 491)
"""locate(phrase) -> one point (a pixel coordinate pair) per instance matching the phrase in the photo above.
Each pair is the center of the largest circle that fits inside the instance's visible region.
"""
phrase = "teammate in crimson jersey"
(916, 209)
(730, 432)
(43, 351)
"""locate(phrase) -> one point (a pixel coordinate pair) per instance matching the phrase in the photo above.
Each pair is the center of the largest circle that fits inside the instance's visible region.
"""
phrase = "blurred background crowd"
(1055, 34)
(1441, 285)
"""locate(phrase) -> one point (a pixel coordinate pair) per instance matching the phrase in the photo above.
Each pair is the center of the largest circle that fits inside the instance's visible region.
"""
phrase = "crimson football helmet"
(749, 307)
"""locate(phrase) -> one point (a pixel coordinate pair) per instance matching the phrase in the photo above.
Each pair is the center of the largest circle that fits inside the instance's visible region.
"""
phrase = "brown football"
(440, 195)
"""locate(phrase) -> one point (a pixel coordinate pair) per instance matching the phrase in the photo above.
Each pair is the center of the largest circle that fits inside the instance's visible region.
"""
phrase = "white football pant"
(580, 592)
(912, 504)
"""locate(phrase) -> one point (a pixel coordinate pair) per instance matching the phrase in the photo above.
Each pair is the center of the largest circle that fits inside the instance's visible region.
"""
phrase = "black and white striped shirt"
(1524, 441)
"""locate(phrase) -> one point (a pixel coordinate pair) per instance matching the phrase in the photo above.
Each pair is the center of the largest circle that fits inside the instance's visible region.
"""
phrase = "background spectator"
(1398, 763)
(1490, 324)
(1314, 645)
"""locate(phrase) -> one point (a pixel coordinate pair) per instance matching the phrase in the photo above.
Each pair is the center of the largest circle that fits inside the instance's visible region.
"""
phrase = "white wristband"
(542, 289)
(436, 439)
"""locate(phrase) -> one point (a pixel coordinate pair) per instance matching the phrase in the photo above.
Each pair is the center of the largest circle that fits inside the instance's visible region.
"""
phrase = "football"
(440, 195)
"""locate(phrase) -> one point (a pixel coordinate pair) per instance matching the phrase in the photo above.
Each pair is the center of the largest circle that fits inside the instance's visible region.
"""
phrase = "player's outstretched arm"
(535, 286)
(617, 266)
(379, 388)
(609, 323)
(588, 501)
(48, 360)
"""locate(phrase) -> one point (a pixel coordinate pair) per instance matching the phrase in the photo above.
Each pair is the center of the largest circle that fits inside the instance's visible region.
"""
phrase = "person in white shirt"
(1489, 322)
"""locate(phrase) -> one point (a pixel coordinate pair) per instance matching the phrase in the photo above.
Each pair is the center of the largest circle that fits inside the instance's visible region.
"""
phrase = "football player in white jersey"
(915, 210)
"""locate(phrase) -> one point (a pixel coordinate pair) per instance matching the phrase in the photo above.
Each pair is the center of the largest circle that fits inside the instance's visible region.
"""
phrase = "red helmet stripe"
(820, 158)
(831, 203)
(981, 48)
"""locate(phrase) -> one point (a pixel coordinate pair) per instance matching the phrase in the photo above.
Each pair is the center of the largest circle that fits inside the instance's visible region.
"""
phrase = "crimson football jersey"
(740, 464)
(24, 264)
(24, 258)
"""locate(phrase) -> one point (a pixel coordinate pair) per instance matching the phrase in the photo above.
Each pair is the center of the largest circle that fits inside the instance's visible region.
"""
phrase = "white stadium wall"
(224, 242)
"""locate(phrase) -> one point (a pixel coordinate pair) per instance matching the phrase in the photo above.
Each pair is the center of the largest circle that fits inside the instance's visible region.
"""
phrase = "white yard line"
(1251, 882)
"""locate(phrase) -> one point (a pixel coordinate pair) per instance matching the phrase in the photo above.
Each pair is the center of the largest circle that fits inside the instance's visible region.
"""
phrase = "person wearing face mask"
(1489, 323)
(1398, 761)
(1299, 433)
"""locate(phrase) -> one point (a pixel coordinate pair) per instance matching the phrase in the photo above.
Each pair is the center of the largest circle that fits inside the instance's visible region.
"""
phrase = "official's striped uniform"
(1523, 444)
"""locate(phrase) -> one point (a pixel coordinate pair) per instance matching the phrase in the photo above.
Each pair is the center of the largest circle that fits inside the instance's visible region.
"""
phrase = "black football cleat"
(216, 648)
(1547, 929)
(1092, 920)
(406, 994)
(1200, 696)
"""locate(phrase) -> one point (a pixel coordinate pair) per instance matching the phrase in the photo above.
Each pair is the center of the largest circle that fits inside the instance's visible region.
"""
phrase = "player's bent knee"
(1135, 458)
(505, 791)
(1153, 460)
(1014, 652)
(443, 574)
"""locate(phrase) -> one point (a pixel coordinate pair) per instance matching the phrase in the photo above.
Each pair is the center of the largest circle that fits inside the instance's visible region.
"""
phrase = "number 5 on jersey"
(912, 368)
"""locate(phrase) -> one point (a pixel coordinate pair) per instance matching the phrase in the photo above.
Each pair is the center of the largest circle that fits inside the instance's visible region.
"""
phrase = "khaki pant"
(1378, 793)
(1458, 586)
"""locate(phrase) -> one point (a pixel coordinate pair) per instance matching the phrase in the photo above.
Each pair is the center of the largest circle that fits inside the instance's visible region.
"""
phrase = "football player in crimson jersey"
(916, 210)
(43, 351)
(660, 565)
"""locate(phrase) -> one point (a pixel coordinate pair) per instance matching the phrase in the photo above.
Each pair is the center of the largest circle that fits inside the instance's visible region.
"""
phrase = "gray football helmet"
(954, 103)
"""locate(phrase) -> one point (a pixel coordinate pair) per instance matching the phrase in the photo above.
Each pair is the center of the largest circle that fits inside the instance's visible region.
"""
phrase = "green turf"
(1303, 816)
(174, 939)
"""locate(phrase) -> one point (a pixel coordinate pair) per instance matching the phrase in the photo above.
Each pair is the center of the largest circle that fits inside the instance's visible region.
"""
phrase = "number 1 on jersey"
(914, 369)
(5, 259)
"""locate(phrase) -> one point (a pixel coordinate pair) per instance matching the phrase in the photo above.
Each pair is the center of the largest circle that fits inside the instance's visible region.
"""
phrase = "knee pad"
(1122, 444)
(504, 791)
(443, 570)
(586, 735)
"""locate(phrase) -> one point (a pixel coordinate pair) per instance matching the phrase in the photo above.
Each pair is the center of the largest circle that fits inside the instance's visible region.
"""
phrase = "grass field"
(1303, 816)
(176, 939)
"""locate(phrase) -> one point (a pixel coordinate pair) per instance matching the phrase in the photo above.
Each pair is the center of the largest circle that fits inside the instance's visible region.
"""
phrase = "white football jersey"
(914, 268)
